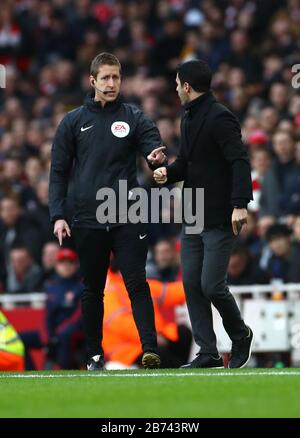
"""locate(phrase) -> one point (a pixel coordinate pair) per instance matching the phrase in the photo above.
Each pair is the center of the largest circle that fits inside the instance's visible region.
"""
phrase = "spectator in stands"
(39, 213)
(294, 273)
(263, 224)
(13, 183)
(121, 340)
(166, 266)
(63, 316)
(269, 118)
(169, 139)
(49, 253)
(277, 178)
(243, 269)
(279, 240)
(15, 226)
(166, 53)
(11, 347)
(260, 163)
(23, 276)
(250, 238)
(279, 97)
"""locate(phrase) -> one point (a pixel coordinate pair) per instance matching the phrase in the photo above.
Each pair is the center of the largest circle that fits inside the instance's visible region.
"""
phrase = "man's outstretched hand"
(61, 230)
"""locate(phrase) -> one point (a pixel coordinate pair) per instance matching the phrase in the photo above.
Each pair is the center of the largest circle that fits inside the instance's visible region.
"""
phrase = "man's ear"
(187, 87)
(92, 81)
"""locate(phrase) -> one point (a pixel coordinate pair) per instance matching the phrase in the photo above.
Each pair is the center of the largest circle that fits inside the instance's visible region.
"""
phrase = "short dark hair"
(276, 231)
(19, 246)
(14, 197)
(196, 73)
(103, 58)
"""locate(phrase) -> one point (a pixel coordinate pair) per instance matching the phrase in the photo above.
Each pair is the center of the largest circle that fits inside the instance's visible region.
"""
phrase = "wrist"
(239, 203)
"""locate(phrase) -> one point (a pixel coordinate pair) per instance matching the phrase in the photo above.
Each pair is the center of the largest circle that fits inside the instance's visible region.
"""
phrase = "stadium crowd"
(46, 47)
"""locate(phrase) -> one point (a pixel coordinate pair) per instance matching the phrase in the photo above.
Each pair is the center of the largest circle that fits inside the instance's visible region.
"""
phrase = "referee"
(101, 139)
(212, 157)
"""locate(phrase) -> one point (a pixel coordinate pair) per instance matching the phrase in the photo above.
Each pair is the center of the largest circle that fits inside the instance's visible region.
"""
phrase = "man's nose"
(111, 82)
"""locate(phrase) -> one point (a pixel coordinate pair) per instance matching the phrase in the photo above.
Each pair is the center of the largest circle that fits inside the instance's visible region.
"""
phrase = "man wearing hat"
(63, 316)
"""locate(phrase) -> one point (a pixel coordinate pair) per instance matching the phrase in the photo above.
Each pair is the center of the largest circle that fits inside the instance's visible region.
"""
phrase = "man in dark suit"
(213, 157)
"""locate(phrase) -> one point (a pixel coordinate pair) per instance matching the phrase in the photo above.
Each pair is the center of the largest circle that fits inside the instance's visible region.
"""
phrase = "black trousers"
(129, 246)
(205, 259)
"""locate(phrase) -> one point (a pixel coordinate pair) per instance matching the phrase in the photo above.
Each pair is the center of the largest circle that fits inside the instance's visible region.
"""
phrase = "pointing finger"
(161, 148)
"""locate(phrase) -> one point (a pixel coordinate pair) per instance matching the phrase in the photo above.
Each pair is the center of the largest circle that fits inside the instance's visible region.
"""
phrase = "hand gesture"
(160, 175)
(157, 157)
(61, 230)
(238, 219)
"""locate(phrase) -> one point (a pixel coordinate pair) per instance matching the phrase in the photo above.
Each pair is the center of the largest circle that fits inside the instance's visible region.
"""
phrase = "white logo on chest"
(120, 129)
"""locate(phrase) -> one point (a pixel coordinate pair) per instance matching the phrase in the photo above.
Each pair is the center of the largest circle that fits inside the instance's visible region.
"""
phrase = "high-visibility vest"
(10, 341)
(121, 339)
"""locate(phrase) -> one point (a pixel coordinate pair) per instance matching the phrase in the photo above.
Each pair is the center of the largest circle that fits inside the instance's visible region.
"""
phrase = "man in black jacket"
(212, 157)
(102, 138)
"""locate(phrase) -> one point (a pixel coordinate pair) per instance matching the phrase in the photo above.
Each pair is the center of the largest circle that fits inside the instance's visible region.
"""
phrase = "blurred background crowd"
(46, 47)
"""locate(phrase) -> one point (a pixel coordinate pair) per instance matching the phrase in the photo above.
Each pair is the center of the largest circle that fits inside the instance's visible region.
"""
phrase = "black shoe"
(204, 360)
(241, 351)
(96, 363)
(151, 360)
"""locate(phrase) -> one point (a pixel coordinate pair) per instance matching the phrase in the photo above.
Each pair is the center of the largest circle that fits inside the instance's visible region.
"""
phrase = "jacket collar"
(97, 107)
(200, 102)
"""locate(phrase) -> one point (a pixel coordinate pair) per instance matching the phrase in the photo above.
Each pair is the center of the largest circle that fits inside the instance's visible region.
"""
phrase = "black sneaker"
(96, 363)
(241, 351)
(151, 360)
(204, 360)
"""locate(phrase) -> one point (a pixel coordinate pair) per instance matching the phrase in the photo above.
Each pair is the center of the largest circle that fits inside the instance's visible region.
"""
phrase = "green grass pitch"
(151, 394)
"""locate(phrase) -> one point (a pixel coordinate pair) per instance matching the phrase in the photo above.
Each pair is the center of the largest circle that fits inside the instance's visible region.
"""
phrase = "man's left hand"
(238, 219)
(157, 157)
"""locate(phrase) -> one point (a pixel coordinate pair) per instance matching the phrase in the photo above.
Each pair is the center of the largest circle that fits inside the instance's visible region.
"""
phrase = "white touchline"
(102, 374)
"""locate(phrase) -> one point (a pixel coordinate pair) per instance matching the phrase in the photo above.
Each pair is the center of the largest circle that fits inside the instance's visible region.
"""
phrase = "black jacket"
(102, 142)
(213, 157)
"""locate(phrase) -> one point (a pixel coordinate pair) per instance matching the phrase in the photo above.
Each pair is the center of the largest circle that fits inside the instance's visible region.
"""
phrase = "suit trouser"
(205, 259)
(130, 251)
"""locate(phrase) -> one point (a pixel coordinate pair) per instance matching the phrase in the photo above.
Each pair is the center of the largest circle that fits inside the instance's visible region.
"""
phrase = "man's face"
(20, 260)
(280, 246)
(283, 145)
(182, 94)
(108, 80)
(164, 255)
(9, 212)
(237, 265)
(49, 255)
(66, 268)
(260, 162)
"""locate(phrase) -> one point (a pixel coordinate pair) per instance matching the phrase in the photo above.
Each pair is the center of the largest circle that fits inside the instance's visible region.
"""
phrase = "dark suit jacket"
(213, 157)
